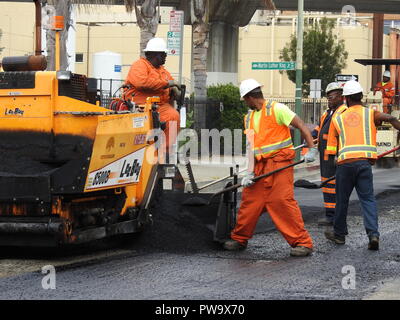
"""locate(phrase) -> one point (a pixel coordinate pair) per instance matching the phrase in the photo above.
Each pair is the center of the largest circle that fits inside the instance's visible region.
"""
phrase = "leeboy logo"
(120, 172)
(110, 144)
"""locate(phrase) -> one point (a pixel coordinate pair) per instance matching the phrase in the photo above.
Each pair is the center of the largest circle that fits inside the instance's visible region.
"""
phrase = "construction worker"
(353, 140)
(334, 92)
(147, 77)
(270, 143)
(388, 92)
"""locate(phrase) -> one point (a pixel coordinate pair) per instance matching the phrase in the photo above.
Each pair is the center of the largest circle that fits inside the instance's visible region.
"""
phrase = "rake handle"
(379, 156)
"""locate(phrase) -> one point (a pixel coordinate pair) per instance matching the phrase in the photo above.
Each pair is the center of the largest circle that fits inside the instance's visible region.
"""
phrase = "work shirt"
(283, 115)
(388, 92)
(147, 81)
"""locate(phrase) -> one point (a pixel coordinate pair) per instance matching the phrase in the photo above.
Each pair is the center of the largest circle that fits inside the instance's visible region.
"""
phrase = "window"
(79, 57)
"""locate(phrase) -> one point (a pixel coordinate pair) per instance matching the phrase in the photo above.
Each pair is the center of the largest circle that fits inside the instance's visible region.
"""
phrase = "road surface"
(176, 260)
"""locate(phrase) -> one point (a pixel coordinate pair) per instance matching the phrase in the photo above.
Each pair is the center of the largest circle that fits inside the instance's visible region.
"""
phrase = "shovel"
(310, 185)
(195, 201)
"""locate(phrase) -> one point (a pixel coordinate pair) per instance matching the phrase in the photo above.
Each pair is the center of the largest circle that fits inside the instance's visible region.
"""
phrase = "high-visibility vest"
(338, 110)
(271, 137)
(357, 134)
(321, 142)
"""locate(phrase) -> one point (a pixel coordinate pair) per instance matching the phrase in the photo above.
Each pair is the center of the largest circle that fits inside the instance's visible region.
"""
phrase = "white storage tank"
(107, 66)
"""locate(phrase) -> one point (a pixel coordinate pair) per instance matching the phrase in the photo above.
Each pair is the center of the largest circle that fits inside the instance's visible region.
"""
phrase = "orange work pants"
(171, 117)
(275, 194)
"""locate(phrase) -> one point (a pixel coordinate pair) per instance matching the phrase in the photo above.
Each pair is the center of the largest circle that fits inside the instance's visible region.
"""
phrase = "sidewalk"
(390, 290)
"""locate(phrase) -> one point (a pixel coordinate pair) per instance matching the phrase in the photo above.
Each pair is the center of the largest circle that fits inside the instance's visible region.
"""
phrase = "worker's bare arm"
(379, 117)
(299, 124)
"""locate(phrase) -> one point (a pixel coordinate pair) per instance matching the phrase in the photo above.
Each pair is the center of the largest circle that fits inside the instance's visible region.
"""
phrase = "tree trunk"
(147, 19)
(200, 28)
(63, 8)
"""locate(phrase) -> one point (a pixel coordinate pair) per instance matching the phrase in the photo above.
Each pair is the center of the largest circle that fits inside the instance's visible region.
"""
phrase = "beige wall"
(18, 25)
(256, 43)
(264, 43)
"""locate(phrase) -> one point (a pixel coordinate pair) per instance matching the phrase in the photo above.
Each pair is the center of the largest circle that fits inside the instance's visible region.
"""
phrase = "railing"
(108, 89)
(312, 109)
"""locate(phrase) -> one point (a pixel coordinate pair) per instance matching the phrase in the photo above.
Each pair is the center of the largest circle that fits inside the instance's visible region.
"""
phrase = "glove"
(247, 180)
(173, 83)
(311, 155)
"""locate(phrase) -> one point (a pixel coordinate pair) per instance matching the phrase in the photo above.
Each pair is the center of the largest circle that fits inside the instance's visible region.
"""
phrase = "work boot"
(331, 235)
(300, 251)
(325, 221)
(233, 245)
(373, 243)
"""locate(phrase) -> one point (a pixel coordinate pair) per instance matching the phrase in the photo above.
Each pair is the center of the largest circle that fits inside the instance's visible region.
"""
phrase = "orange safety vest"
(271, 138)
(357, 134)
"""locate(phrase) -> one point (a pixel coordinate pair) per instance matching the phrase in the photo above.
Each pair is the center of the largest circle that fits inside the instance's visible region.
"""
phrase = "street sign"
(286, 65)
(176, 20)
(315, 84)
(346, 77)
(175, 36)
(174, 42)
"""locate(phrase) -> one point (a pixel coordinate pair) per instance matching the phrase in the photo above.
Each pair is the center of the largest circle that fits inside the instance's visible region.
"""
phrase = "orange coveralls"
(147, 81)
(275, 194)
(388, 93)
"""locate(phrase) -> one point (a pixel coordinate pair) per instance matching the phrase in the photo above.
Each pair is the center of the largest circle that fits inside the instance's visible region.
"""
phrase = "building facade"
(112, 29)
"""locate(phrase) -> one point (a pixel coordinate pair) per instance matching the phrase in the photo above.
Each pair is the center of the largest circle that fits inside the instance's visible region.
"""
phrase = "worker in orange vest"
(148, 77)
(327, 163)
(353, 140)
(388, 91)
(270, 146)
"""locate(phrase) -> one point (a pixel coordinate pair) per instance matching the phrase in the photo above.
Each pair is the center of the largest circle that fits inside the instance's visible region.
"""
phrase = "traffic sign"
(176, 20)
(315, 88)
(174, 42)
(286, 65)
(346, 77)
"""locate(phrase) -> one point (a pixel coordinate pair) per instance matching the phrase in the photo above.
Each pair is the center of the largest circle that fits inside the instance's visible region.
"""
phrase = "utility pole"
(299, 71)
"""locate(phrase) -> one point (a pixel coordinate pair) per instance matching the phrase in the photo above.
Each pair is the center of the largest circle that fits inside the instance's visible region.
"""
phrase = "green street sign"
(288, 65)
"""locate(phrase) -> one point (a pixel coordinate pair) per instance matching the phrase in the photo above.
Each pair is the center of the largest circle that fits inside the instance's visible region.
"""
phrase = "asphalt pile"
(177, 228)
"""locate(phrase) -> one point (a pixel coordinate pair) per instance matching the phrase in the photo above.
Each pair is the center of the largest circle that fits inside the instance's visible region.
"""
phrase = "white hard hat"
(386, 74)
(333, 86)
(352, 87)
(156, 45)
(248, 85)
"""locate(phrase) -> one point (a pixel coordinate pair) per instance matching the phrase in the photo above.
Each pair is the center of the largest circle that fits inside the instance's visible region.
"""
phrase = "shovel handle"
(277, 170)
(238, 185)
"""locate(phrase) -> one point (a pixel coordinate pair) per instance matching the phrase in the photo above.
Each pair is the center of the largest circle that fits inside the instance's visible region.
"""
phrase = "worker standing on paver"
(147, 77)
(388, 91)
(334, 92)
(353, 140)
(268, 134)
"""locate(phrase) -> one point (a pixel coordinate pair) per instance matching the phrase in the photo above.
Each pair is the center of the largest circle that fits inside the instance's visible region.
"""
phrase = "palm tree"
(200, 34)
